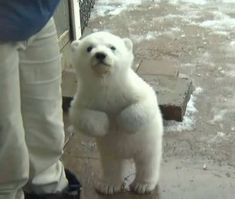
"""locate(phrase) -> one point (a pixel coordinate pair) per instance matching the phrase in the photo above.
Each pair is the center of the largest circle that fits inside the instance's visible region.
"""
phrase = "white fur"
(120, 110)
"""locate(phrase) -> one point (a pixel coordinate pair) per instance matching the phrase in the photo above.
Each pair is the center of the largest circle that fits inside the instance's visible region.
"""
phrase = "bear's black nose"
(100, 56)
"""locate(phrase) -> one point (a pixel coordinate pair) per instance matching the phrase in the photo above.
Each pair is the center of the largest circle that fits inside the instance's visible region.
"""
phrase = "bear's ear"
(128, 44)
(75, 45)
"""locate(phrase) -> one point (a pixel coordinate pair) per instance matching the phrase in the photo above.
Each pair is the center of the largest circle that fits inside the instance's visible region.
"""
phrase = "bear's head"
(102, 54)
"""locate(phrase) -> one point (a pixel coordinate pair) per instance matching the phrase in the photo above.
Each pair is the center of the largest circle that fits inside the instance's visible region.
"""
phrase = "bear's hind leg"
(147, 172)
(112, 180)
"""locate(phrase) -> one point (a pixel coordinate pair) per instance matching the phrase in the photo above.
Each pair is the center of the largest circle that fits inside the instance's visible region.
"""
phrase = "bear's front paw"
(99, 124)
(134, 118)
(108, 188)
(93, 123)
(142, 188)
(127, 124)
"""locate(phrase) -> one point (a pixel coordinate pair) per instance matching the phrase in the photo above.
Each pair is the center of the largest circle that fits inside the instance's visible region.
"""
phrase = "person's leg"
(14, 160)
(40, 78)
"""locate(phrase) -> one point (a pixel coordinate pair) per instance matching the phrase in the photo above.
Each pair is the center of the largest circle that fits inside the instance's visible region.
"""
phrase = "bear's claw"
(108, 189)
(142, 188)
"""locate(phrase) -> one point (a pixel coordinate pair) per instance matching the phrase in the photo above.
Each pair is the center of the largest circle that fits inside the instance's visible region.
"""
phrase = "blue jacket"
(20, 19)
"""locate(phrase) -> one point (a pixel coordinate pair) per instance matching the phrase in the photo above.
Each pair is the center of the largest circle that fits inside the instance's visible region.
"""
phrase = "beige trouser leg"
(31, 125)
(14, 160)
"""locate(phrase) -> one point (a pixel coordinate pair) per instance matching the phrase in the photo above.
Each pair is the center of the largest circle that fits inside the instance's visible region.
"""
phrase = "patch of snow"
(187, 17)
(125, 2)
(232, 45)
(113, 7)
(224, 33)
(105, 10)
(149, 36)
(219, 137)
(171, 17)
(230, 49)
(204, 167)
(222, 109)
(221, 22)
(199, 2)
(198, 91)
(188, 65)
(218, 117)
(230, 72)
(205, 59)
(175, 29)
(188, 122)
(228, 1)
(220, 134)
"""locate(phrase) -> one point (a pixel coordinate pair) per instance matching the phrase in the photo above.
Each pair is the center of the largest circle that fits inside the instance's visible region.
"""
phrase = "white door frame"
(75, 17)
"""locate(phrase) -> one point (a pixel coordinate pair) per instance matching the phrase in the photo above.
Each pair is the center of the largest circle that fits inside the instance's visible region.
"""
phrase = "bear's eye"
(112, 48)
(89, 49)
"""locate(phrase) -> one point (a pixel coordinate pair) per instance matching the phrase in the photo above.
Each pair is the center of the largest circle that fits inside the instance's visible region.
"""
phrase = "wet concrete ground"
(199, 153)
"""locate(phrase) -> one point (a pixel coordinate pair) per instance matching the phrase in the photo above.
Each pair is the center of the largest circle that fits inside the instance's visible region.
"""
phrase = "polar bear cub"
(118, 108)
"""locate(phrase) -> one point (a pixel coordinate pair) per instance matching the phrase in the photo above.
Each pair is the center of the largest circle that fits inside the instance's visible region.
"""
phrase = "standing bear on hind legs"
(118, 108)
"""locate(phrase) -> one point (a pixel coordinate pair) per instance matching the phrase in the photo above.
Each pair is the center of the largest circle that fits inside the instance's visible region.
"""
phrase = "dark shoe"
(71, 192)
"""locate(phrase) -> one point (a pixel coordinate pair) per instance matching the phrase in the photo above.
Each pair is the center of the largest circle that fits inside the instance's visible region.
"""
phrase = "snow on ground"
(199, 2)
(113, 7)
(219, 22)
(152, 35)
(149, 36)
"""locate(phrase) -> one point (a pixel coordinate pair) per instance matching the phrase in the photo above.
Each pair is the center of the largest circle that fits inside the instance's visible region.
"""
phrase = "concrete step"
(173, 94)
(168, 67)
